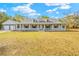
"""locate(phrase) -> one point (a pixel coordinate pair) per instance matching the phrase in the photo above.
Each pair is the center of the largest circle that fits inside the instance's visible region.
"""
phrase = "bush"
(1, 26)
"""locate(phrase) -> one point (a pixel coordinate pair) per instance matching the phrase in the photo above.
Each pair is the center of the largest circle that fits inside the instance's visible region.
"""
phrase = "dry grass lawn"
(39, 43)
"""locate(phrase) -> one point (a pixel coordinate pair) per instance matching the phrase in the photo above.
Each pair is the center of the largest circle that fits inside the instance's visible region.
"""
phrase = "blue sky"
(53, 10)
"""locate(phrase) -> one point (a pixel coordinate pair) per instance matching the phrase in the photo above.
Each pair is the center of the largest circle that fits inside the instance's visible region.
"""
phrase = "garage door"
(6, 27)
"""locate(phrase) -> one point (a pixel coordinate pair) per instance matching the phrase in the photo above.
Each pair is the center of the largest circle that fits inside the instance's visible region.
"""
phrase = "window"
(34, 26)
(26, 26)
(42, 26)
(18, 26)
(63, 26)
(47, 26)
(55, 26)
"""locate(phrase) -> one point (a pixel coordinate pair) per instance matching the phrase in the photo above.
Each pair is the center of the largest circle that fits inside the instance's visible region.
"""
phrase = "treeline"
(71, 21)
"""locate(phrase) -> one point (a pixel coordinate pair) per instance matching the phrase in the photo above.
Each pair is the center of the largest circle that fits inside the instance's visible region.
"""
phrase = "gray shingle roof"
(33, 21)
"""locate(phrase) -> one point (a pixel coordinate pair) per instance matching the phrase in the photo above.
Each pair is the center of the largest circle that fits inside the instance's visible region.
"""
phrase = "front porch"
(39, 27)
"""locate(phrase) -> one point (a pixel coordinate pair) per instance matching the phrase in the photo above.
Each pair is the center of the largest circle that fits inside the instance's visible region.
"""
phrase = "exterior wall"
(12, 27)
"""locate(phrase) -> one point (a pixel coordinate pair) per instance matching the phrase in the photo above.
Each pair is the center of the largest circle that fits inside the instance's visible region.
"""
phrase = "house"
(34, 25)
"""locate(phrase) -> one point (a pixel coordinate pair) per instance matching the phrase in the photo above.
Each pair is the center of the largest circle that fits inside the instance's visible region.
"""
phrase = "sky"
(53, 10)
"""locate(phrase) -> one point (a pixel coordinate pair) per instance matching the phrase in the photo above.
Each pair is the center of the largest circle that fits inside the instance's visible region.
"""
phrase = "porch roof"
(39, 23)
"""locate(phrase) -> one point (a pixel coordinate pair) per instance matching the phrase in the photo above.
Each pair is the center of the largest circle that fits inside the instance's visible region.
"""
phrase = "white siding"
(12, 27)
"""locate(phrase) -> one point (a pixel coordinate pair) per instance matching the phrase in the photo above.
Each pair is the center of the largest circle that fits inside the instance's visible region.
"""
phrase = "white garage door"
(7, 27)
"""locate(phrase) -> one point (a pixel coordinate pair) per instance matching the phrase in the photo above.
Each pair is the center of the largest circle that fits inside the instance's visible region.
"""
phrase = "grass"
(39, 43)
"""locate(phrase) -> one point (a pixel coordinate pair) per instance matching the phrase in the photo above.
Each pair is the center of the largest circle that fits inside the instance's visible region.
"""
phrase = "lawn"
(39, 43)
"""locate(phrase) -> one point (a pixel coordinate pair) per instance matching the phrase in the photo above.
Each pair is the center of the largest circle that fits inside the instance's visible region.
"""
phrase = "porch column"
(37, 26)
(15, 26)
(20, 26)
(44, 27)
(40, 26)
(29, 26)
(65, 27)
(60, 26)
(52, 27)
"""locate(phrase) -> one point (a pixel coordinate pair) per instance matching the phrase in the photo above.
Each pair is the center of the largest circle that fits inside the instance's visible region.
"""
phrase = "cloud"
(59, 5)
(57, 12)
(34, 14)
(2, 10)
(29, 4)
(53, 4)
(51, 10)
(65, 6)
(55, 9)
(26, 9)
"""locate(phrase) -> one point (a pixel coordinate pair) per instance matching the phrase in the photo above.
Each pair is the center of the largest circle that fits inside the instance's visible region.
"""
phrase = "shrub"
(1, 26)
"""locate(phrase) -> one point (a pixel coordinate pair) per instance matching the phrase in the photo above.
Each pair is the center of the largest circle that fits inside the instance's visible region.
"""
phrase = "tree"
(3, 17)
(72, 21)
(44, 17)
(18, 18)
(76, 14)
(1, 26)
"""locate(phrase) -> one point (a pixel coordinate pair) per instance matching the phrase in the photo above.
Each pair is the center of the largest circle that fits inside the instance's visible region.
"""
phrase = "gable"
(9, 22)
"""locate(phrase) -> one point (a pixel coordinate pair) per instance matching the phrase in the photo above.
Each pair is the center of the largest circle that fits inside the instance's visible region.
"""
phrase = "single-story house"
(34, 25)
